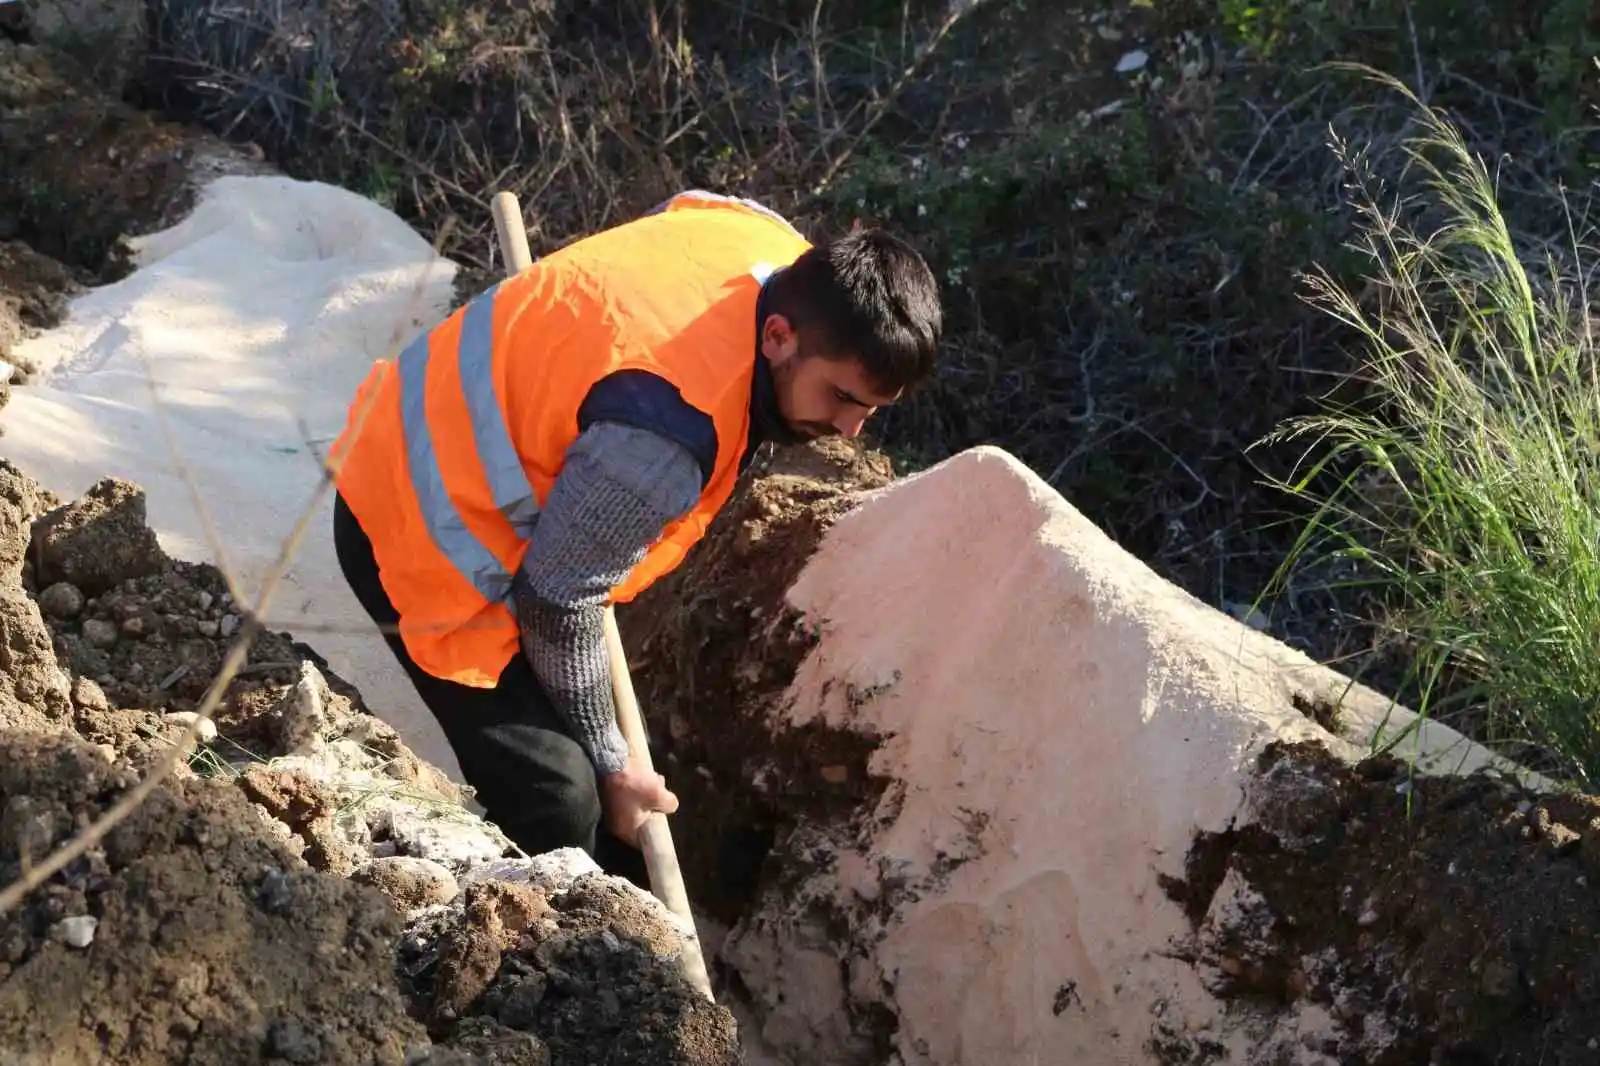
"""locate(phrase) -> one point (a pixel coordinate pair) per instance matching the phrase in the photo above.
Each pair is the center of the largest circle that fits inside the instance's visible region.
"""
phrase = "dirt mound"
(260, 907)
(34, 290)
(208, 945)
(33, 691)
(1441, 920)
(79, 170)
(588, 971)
(142, 635)
(1365, 918)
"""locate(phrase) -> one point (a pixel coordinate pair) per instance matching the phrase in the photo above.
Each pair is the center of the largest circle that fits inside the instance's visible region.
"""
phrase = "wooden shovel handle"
(655, 836)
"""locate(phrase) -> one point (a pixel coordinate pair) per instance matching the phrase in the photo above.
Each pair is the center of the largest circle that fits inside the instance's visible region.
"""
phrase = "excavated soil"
(584, 971)
(190, 933)
(208, 945)
(271, 900)
(78, 169)
(1443, 921)
(711, 644)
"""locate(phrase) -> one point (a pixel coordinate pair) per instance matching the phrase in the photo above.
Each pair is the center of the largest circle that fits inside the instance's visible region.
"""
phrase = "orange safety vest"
(465, 434)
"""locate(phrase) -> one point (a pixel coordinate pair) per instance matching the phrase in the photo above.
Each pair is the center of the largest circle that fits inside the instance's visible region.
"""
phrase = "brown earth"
(239, 891)
(34, 290)
(585, 971)
(209, 941)
(211, 945)
(1452, 921)
(709, 646)
(79, 170)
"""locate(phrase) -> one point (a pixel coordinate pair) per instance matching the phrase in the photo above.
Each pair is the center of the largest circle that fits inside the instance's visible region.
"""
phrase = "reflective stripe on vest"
(513, 495)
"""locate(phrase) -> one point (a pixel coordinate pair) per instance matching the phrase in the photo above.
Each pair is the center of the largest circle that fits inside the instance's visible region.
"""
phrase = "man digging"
(563, 440)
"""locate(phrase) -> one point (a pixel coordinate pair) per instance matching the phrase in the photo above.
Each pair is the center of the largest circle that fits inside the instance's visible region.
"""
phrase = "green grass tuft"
(1461, 487)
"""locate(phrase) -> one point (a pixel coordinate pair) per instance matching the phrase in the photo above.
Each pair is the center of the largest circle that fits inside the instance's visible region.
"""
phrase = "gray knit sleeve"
(619, 487)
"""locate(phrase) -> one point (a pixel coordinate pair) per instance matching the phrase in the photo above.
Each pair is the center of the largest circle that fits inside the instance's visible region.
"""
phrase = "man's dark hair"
(867, 295)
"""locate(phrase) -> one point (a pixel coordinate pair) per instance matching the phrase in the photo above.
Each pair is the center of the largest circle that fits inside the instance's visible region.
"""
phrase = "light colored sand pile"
(254, 318)
(1063, 722)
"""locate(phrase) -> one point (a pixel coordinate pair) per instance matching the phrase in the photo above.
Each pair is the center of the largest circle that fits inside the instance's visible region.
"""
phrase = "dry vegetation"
(1122, 244)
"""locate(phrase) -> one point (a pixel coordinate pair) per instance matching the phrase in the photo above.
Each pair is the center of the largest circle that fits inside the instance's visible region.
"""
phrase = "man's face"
(819, 394)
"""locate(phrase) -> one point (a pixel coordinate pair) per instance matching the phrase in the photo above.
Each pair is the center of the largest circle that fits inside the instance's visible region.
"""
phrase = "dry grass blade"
(35, 875)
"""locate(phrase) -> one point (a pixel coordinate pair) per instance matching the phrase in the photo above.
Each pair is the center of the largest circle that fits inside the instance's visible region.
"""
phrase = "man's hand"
(629, 796)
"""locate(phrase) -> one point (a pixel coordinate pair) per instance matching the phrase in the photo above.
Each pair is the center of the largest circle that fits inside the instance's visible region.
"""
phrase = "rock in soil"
(98, 541)
(410, 883)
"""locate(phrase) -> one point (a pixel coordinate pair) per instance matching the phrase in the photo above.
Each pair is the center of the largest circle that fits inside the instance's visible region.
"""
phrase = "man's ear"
(779, 342)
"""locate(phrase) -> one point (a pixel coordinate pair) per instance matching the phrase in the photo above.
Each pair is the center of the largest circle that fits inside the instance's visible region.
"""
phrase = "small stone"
(453, 842)
(100, 633)
(87, 694)
(1561, 840)
(187, 719)
(229, 626)
(77, 932)
(29, 827)
(520, 1007)
(1132, 61)
(205, 600)
(208, 628)
(275, 893)
(409, 882)
(106, 751)
(1368, 917)
(135, 626)
(61, 600)
(551, 872)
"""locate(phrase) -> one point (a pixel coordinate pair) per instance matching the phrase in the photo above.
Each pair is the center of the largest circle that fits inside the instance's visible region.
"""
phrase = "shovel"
(655, 836)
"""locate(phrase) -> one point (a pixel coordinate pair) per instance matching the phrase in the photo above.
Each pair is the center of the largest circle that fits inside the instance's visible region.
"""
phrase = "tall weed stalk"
(1461, 483)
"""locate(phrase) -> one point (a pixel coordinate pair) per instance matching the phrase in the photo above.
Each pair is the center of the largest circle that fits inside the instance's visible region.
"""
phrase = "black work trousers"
(532, 777)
